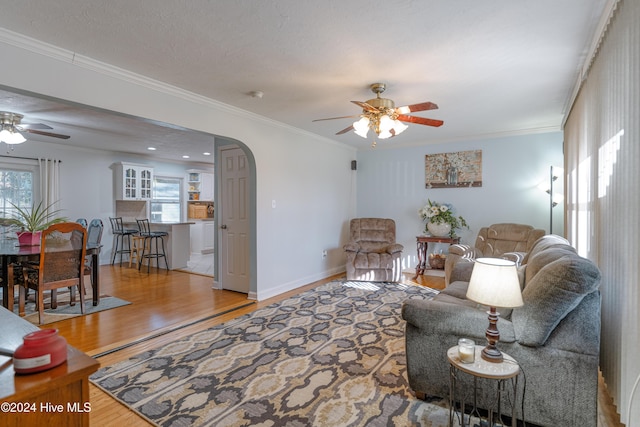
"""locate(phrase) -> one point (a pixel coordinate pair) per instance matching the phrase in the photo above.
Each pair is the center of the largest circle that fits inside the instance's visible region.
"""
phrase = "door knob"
(223, 226)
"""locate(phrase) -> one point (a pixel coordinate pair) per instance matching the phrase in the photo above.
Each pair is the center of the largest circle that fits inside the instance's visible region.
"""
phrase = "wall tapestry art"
(454, 170)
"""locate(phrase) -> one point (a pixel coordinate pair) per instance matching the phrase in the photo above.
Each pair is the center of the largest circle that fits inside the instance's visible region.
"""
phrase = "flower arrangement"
(439, 213)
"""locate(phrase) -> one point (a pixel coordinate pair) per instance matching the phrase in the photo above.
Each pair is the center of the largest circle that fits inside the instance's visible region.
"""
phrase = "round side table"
(503, 373)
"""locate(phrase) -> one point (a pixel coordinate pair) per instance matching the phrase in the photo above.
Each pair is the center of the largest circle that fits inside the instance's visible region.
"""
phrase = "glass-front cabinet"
(134, 182)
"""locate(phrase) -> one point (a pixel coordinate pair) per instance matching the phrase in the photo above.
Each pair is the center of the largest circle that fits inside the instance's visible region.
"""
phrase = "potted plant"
(33, 221)
(440, 219)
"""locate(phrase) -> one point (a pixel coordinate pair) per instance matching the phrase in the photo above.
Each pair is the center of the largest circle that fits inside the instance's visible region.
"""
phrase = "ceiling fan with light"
(11, 127)
(381, 116)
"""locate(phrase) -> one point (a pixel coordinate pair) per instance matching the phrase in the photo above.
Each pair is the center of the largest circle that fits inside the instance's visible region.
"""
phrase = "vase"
(28, 238)
(441, 229)
(452, 176)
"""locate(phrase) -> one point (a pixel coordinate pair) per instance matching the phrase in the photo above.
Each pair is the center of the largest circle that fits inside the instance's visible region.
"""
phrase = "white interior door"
(234, 220)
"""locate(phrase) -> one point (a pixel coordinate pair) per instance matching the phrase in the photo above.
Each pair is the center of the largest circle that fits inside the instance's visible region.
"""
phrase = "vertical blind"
(602, 167)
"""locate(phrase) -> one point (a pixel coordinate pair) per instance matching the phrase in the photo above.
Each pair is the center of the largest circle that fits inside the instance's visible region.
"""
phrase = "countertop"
(129, 221)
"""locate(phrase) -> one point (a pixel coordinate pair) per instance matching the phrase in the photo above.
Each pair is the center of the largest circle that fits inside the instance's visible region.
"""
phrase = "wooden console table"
(423, 244)
(58, 396)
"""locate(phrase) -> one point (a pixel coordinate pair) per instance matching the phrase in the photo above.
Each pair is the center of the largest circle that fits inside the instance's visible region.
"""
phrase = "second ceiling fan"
(381, 115)
(11, 127)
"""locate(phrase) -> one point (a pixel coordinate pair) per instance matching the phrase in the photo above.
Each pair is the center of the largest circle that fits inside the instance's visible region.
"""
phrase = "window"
(166, 201)
(16, 188)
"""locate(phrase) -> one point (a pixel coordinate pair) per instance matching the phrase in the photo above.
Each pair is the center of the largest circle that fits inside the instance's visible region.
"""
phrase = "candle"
(466, 350)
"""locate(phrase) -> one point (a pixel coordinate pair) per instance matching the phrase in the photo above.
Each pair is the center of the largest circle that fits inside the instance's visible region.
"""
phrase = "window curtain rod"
(25, 158)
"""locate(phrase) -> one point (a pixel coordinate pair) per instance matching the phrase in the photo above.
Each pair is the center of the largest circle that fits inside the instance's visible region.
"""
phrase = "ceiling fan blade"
(334, 118)
(25, 126)
(345, 130)
(54, 135)
(423, 106)
(420, 120)
(365, 106)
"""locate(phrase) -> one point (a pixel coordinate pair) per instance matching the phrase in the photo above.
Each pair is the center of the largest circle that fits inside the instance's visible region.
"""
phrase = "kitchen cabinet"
(200, 185)
(133, 182)
(203, 235)
(206, 186)
(208, 236)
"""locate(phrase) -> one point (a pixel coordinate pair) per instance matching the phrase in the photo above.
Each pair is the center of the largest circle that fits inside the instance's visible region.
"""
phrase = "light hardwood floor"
(168, 305)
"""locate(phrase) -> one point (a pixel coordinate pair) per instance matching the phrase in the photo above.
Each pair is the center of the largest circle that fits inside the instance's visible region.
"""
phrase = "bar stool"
(137, 249)
(119, 235)
(149, 238)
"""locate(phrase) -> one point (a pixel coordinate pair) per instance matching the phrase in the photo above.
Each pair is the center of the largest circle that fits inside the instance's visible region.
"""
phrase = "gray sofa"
(554, 336)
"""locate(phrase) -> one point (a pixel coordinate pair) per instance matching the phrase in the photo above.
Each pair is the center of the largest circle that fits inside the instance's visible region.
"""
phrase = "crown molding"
(45, 49)
(469, 138)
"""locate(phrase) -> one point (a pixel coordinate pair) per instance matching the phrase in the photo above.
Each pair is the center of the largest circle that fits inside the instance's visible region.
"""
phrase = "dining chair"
(62, 256)
(94, 238)
(82, 221)
(151, 237)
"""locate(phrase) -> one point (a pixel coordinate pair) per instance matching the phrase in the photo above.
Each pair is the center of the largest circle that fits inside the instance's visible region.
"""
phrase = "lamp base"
(491, 354)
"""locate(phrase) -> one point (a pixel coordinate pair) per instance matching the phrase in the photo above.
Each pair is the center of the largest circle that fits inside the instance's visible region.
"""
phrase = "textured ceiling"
(494, 67)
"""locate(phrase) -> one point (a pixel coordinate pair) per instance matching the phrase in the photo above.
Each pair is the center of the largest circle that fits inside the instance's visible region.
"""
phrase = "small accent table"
(504, 373)
(423, 244)
(55, 397)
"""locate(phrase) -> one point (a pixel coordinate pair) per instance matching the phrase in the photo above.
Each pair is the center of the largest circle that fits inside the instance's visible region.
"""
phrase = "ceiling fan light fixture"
(381, 115)
(361, 127)
(11, 137)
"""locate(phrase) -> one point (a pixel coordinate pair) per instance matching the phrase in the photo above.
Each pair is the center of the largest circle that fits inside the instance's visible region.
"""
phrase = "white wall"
(308, 176)
(391, 183)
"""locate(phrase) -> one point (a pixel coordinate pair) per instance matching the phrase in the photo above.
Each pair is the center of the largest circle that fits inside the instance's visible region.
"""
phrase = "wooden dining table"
(11, 252)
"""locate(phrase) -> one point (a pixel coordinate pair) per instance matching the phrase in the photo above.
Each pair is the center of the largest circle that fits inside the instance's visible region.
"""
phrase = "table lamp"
(494, 282)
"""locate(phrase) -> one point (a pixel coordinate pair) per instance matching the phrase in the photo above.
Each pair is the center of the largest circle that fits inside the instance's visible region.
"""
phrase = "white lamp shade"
(399, 127)
(384, 134)
(4, 135)
(386, 124)
(16, 138)
(361, 127)
(494, 282)
(9, 137)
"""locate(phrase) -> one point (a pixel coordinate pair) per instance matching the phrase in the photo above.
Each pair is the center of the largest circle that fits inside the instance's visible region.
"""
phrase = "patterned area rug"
(64, 310)
(333, 356)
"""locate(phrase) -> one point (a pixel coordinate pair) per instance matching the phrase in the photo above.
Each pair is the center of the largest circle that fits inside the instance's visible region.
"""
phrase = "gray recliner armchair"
(505, 240)
(372, 251)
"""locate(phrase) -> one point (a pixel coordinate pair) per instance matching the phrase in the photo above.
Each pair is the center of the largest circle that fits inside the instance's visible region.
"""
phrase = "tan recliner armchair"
(510, 241)
(372, 252)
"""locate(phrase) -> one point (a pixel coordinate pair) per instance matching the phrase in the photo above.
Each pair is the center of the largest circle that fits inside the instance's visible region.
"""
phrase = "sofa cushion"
(364, 260)
(561, 281)
(450, 299)
(456, 289)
